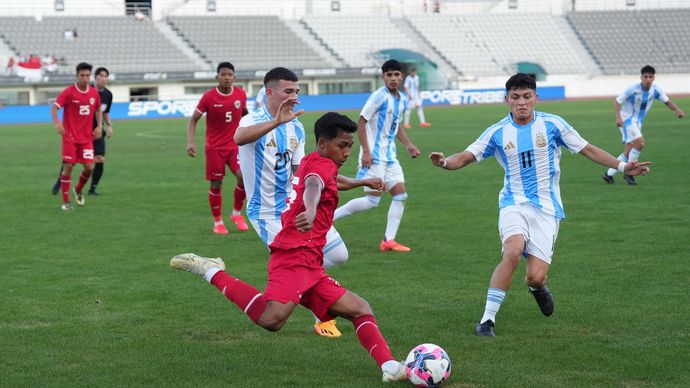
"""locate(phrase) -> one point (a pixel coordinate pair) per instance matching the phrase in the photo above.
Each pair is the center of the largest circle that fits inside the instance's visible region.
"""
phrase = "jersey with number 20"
(267, 164)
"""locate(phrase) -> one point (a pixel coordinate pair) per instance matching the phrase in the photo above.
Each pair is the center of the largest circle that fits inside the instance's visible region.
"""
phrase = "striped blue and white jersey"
(412, 86)
(636, 102)
(530, 155)
(267, 165)
(383, 113)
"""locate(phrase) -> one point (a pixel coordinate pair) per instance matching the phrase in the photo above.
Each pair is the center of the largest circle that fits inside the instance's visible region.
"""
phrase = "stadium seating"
(121, 43)
(249, 42)
(623, 41)
(492, 44)
(358, 39)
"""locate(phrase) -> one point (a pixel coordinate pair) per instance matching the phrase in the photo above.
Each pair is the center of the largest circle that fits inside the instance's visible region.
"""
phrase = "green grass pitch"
(87, 297)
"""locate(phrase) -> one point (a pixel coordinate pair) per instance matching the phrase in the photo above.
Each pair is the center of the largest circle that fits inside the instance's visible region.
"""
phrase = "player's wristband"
(621, 166)
(445, 163)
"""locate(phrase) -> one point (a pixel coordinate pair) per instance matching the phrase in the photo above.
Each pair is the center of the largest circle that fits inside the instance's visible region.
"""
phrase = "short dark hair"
(225, 65)
(521, 81)
(331, 124)
(83, 66)
(391, 64)
(278, 74)
(648, 70)
(102, 69)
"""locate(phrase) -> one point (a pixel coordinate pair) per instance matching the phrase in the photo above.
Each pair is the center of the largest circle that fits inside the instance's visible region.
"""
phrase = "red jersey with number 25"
(79, 108)
(223, 114)
(327, 171)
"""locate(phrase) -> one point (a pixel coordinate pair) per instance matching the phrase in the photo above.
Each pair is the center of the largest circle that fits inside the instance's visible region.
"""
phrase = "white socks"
(634, 155)
(395, 212)
(494, 298)
(334, 254)
(408, 113)
(613, 171)
(357, 205)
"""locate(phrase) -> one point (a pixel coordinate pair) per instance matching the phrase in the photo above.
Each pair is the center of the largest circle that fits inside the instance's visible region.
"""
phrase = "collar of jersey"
(516, 125)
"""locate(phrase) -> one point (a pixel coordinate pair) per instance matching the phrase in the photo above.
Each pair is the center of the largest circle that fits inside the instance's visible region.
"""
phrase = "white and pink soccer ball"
(427, 365)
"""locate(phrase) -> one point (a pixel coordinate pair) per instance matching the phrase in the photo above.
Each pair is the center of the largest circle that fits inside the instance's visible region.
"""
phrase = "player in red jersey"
(295, 270)
(80, 103)
(224, 106)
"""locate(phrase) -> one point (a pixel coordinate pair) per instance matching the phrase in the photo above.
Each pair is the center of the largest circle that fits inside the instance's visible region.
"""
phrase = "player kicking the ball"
(295, 270)
(527, 145)
(224, 106)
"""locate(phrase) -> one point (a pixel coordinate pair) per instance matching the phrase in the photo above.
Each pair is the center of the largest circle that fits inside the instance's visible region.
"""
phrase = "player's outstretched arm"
(58, 125)
(363, 142)
(345, 183)
(602, 157)
(411, 148)
(311, 196)
(252, 133)
(672, 106)
(453, 162)
(191, 130)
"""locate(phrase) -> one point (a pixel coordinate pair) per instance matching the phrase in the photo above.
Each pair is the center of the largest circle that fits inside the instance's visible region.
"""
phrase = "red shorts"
(77, 153)
(307, 285)
(217, 159)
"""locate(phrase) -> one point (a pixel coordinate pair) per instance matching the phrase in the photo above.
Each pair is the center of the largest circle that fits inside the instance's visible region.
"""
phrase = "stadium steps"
(328, 47)
(575, 42)
(312, 40)
(174, 37)
(444, 65)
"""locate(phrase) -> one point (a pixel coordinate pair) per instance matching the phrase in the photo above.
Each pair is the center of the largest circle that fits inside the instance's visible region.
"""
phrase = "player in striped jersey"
(411, 86)
(271, 143)
(377, 128)
(527, 145)
(631, 108)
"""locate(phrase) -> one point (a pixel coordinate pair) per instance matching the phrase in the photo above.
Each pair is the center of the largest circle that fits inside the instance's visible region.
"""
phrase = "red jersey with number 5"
(79, 108)
(327, 171)
(223, 114)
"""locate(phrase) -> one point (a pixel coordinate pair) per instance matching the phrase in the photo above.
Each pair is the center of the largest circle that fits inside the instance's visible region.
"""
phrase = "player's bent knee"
(400, 197)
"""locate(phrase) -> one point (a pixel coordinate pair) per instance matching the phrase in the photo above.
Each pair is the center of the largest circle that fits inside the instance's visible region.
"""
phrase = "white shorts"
(539, 229)
(392, 174)
(631, 130)
(417, 102)
(268, 229)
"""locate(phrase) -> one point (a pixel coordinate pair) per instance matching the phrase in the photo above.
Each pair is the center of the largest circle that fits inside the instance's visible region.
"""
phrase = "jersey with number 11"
(267, 165)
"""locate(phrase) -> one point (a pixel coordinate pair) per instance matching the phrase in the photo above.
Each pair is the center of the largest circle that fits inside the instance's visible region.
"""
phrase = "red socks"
(246, 297)
(65, 182)
(215, 200)
(370, 337)
(83, 178)
(240, 195)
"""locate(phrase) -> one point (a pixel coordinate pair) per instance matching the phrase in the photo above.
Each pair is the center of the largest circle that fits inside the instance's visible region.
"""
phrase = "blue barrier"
(336, 102)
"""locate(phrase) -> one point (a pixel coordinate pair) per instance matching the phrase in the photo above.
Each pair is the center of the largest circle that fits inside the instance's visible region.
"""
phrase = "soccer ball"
(427, 365)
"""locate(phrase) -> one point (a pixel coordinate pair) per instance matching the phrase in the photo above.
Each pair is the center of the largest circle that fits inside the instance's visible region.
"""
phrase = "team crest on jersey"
(92, 100)
(237, 104)
(540, 140)
(293, 143)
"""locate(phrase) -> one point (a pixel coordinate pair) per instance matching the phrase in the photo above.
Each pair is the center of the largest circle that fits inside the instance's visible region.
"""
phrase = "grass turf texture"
(88, 299)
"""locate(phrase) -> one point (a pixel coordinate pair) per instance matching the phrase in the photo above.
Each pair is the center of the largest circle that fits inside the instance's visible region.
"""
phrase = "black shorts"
(99, 146)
